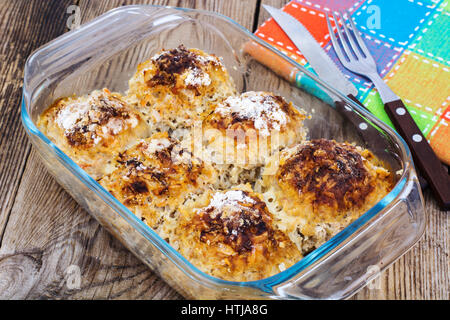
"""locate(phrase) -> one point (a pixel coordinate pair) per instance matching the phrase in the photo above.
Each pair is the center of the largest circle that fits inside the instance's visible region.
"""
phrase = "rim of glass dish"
(179, 260)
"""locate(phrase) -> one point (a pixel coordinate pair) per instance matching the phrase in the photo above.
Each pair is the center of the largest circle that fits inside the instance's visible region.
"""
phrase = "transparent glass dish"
(105, 53)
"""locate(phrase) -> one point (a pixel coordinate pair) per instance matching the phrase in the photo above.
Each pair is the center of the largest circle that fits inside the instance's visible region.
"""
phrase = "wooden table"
(43, 230)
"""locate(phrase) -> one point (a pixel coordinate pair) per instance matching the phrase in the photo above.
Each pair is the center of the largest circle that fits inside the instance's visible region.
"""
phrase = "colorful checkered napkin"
(411, 47)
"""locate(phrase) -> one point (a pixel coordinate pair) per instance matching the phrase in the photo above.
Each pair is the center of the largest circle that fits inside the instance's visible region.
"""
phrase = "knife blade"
(319, 60)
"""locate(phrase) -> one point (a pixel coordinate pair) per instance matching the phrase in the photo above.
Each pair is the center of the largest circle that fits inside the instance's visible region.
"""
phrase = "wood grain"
(43, 232)
(24, 26)
(47, 232)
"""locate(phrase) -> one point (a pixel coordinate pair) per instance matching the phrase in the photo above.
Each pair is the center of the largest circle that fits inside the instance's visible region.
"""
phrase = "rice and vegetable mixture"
(229, 180)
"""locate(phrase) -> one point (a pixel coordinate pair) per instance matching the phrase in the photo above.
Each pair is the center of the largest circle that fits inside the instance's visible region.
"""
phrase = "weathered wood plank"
(44, 231)
(241, 11)
(47, 233)
(24, 26)
(423, 272)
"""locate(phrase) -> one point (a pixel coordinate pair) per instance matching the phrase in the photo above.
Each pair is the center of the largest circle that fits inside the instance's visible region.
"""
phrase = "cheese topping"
(230, 200)
(184, 62)
(99, 115)
(196, 77)
(264, 110)
(156, 145)
(71, 114)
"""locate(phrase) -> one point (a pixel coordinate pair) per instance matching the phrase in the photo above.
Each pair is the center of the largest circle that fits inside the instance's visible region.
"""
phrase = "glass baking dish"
(105, 53)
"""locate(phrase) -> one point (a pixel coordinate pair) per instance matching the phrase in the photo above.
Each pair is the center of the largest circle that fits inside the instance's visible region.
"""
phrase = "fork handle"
(368, 133)
(425, 158)
(372, 135)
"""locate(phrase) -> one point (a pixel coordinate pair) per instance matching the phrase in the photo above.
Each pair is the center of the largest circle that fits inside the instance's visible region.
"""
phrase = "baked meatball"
(92, 128)
(176, 87)
(154, 177)
(317, 188)
(243, 131)
(231, 235)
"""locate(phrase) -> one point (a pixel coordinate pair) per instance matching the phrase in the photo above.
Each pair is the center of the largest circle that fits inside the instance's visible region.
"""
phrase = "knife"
(327, 70)
(322, 64)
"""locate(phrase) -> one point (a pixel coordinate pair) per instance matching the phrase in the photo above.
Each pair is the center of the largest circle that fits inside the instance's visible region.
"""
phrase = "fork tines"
(350, 46)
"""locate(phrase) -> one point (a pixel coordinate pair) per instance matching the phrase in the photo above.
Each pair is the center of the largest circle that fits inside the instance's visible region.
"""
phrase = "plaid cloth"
(410, 44)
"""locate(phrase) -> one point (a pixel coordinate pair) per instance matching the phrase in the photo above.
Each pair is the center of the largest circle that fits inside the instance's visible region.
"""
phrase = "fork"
(354, 55)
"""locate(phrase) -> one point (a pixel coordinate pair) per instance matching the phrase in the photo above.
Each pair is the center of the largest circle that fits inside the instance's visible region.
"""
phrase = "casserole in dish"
(105, 53)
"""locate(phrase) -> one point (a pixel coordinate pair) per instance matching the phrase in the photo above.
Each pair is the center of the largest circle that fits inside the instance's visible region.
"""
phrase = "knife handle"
(369, 134)
(357, 101)
(425, 158)
(271, 60)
